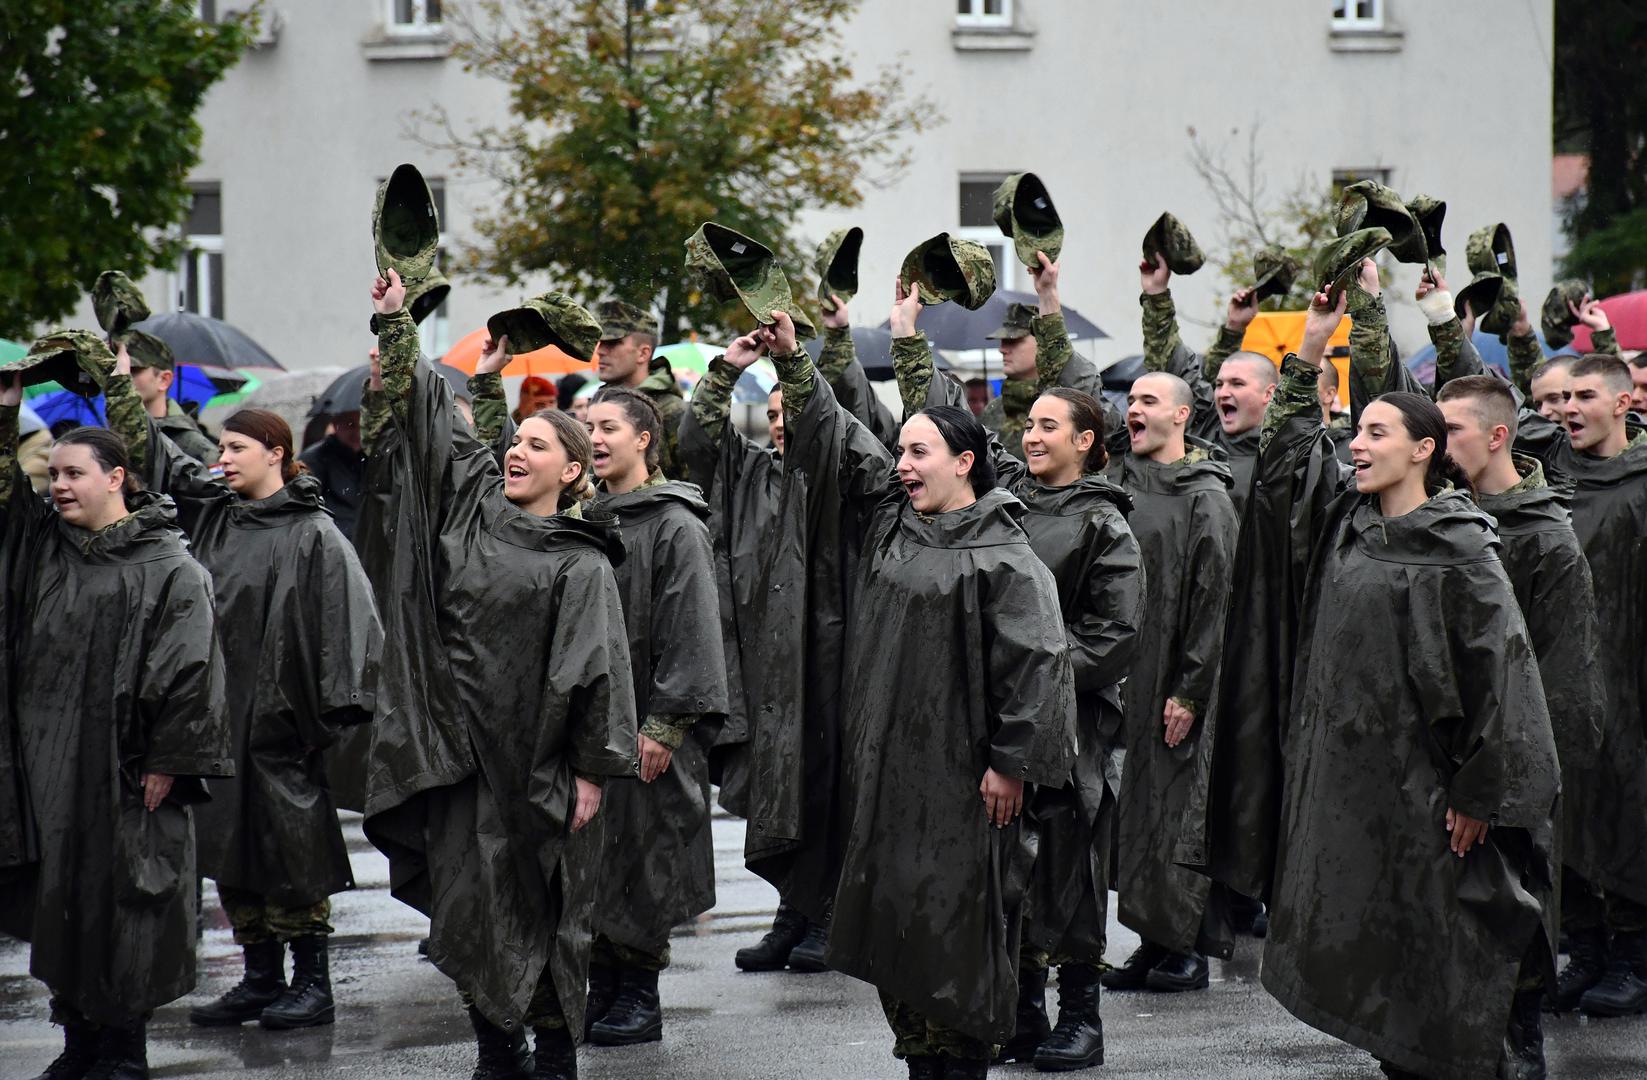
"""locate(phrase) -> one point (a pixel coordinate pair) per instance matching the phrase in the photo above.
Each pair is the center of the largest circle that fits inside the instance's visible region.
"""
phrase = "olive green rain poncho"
(113, 671)
(506, 670)
(300, 635)
(1412, 689)
(657, 867)
(956, 663)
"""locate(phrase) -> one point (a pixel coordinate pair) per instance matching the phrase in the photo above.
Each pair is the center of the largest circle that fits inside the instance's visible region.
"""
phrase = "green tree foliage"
(634, 121)
(97, 121)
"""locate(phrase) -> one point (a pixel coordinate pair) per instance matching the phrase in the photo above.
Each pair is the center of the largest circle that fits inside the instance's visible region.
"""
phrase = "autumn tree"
(98, 122)
(632, 122)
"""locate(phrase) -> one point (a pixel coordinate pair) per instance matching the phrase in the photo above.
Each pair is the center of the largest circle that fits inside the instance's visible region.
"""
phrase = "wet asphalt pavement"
(399, 1017)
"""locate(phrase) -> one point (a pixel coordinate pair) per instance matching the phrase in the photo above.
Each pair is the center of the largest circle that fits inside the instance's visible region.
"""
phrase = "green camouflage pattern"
(1171, 239)
(912, 367)
(1429, 212)
(1556, 318)
(712, 400)
(732, 268)
(1339, 261)
(1495, 301)
(550, 319)
(837, 267)
(1273, 272)
(914, 1036)
(664, 392)
(1023, 210)
(671, 731)
(1526, 356)
(948, 268)
(1294, 396)
(426, 296)
(1016, 323)
(148, 351)
(1162, 341)
(1491, 251)
(616, 954)
(118, 301)
(405, 230)
(255, 920)
(618, 320)
(1367, 204)
(1448, 339)
(76, 360)
(487, 402)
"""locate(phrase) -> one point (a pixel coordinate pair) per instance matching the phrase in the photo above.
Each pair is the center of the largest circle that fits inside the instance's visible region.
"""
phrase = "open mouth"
(1360, 466)
(914, 488)
(600, 457)
(516, 472)
(1136, 428)
(1227, 410)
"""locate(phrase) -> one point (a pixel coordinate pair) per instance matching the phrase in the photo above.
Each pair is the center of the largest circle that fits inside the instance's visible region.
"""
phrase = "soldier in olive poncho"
(113, 714)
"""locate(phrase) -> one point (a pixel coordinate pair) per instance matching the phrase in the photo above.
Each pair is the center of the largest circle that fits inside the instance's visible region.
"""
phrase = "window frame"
(420, 26)
(1370, 23)
(978, 19)
(196, 264)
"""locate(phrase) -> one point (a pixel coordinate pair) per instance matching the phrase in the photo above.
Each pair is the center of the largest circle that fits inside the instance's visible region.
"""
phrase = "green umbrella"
(691, 356)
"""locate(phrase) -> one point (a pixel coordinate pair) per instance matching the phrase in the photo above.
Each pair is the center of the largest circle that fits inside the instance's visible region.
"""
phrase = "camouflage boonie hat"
(550, 319)
(1023, 210)
(1491, 251)
(1494, 300)
(732, 268)
(949, 268)
(423, 298)
(148, 351)
(1016, 323)
(837, 266)
(1273, 272)
(618, 320)
(76, 360)
(1428, 211)
(1367, 204)
(118, 301)
(404, 227)
(1169, 238)
(1338, 263)
(1557, 319)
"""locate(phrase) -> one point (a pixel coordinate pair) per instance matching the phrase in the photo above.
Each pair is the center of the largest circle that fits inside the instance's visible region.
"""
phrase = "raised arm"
(164, 466)
(1455, 355)
(1164, 350)
(1243, 308)
(1374, 369)
(20, 508)
(838, 363)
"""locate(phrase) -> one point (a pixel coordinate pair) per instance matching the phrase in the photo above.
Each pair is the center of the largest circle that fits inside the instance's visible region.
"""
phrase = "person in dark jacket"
(337, 463)
(97, 848)
(299, 629)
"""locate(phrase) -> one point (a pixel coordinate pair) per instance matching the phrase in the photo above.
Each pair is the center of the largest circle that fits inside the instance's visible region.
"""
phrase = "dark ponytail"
(962, 433)
(107, 449)
(1085, 414)
(1423, 420)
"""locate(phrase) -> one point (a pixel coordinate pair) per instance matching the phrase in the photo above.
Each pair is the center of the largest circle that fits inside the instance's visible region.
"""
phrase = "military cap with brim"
(1491, 251)
(1171, 239)
(837, 266)
(1429, 211)
(1557, 318)
(1338, 262)
(118, 301)
(148, 351)
(404, 226)
(949, 268)
(550, 319)
(1017, 323)
(1367, 204)
(1023, 210)
(76, 360)
(1273, 272)
(423, 298)
(733, 268)
(618, 320)
(1494, 300)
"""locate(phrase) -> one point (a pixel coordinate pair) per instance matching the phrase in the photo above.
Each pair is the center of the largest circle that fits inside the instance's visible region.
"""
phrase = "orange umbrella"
(546, 361)
(1277, 333)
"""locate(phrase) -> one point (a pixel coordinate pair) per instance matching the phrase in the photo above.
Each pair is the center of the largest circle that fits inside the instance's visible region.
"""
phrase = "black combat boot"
(1078, 1040)
(1244, 913)
(502, 1055)
(1261, 924)
(122, 1053)
(772, 953)
(925, 1067)
(635, 1015)
(808, 957)
(965, 1068)
(603, 990)
(1523, 1054)
(1622, 991)
(262, 985)
(555, 1058)
(81, 1048)
(1033, 1026)
(1586, 962)
(1179, 972)
(1133, 974)
(308, 1001)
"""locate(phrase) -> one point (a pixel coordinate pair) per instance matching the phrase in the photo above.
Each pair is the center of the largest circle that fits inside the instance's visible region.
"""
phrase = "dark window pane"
(208, 11)
(214, 263)
(405, 12)
(992, 7)
(963, 7)
(977, 203)
(191, 282)
(437, 191)
(205, 213)
(431, 11)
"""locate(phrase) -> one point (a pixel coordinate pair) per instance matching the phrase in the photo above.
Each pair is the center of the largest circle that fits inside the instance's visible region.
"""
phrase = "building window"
(414, 16)
(200, 276)
(977, 198)
(983, 13)
(1358, 15)
(206, 11)
(436, 330)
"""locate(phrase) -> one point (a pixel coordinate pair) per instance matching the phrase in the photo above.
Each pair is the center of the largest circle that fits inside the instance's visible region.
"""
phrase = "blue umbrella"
(66, 405)
(1494, 353)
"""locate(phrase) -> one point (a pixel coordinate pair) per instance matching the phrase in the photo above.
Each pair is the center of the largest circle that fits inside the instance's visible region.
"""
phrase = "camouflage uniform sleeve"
(669, 456)
(397, 349)
(795, 375)
(489, 404)
(1160, 330)
(1293, 396)
(128, 419)
(1052, 348)
(1226, 344)
(1451, 361)
(374, 417)
(1017, 395)
(670, 730)
(837, 354)
(712, 400)
(912, 365)
(10, 472)
(1605, 341)
(1369, 343)
(1525, 356)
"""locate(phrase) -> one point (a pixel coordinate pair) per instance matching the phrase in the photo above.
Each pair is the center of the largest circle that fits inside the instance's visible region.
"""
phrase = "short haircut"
(1559, 362)
(1488, 395)
(970, 383)
(1178, 389)
(1614, 373)
(1262, 366)
(1637, 359)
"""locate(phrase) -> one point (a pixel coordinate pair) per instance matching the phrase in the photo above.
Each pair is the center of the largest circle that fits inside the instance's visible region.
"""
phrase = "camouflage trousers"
(915, 1036)
(542, 1012)
(1586, 907)
(617, 955)
(255, 920)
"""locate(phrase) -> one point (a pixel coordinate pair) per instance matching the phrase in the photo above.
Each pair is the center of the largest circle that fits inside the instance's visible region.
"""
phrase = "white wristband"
(1437, 306)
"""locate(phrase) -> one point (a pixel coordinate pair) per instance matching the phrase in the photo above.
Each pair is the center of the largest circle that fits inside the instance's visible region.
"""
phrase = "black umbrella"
(951, 326)
(343, 395)
(873, 345)
(208, 342)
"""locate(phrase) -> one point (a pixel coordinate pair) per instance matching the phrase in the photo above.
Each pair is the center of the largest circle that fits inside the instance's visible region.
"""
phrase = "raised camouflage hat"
(404, 226)
(949, 268)
(1018, 322)
(1367, 204)
(118, 301)
(837, 266)
(618, 320)
(1491, 251)
(1170, 239)
(1557, 318)
(423, 298)
(732, 268)
(1338, 262)
(1429, 211)
(1273, 272)
(1494, 300)
(148, 351)
(76, 360)
(1023, 210)
(550, 319)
